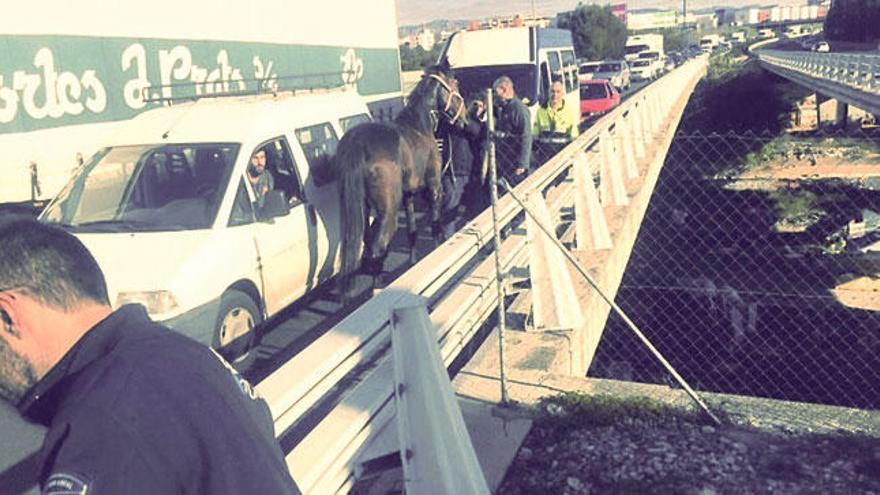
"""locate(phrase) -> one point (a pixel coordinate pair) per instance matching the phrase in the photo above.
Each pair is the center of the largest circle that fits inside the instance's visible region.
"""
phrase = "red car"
(597, 97)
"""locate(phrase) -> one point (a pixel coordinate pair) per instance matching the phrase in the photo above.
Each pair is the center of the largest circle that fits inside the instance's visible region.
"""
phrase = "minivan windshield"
(593, 92)
(633, 49)
(609, 68)
(473, 81)
(588, 68)
(146, 188)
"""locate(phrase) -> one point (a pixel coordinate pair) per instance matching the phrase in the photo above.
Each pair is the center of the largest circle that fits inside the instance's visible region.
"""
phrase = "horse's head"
(448, 102)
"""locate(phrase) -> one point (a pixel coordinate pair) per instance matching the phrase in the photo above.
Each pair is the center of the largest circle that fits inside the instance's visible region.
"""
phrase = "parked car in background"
(587, 70)
(597, 97)
(821, 46)
(616, 72)
(642, 70)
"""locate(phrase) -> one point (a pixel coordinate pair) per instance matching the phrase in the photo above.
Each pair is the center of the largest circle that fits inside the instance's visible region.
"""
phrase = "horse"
(381, 165)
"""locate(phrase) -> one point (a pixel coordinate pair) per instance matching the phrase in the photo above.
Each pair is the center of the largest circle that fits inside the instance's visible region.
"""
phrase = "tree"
(417, 58)
(596, 31)
(853, 20)
(675, 40)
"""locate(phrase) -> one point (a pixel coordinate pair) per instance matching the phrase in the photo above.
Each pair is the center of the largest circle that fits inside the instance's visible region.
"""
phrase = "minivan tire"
(237, 319)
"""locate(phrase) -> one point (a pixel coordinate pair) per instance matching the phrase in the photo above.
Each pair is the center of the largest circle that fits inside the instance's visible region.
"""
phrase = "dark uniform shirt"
(461, 146)
(514, 120)
(135, 408)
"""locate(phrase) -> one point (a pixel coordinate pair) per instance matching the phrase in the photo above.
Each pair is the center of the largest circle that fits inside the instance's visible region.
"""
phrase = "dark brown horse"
(381, 165)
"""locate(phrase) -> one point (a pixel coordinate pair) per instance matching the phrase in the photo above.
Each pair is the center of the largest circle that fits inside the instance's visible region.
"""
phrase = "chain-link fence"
(757, 269)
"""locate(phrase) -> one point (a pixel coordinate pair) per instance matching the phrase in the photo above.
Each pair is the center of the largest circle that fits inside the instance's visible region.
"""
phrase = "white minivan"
(169, 213)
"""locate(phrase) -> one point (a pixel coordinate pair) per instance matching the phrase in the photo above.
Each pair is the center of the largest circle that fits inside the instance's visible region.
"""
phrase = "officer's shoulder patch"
(66, 483)
(245, 386)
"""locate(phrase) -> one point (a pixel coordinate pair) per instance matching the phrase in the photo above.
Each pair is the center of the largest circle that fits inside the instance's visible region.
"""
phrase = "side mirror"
(274, 205)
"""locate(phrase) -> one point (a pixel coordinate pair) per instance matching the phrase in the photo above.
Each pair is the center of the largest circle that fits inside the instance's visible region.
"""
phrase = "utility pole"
(534, 14)
(684, 24)
(684, 13)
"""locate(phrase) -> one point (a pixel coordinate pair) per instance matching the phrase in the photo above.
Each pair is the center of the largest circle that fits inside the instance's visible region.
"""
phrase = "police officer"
(130, 406)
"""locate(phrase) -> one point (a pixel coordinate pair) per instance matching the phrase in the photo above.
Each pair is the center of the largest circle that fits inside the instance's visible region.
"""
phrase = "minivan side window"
(279, 163)
(569, 66)
(347, 123)
(555, 66)
(318, 143)
(242, 209)
(545, 82)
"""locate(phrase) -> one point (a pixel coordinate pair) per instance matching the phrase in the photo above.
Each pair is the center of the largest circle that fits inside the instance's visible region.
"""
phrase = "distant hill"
(435, 26)
(412, 10)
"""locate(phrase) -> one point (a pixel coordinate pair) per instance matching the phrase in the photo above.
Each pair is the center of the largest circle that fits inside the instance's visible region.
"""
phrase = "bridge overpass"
(327, 437)
(851, 78)
(335, 402)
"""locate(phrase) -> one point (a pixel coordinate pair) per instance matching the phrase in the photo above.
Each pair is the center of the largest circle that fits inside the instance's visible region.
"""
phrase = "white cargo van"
(532, 57)
(169, 214)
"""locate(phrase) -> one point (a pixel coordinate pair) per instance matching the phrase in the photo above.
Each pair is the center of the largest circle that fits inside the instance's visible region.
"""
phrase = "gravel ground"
(666, 453)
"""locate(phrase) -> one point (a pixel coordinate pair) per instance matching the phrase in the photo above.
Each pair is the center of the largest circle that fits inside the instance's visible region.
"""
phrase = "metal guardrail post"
(625, 145)
(611, 165)
(591, 227)
(499, 274)
(634, 116)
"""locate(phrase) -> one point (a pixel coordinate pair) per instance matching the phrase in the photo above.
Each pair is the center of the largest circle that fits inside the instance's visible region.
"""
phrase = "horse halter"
(451, 94)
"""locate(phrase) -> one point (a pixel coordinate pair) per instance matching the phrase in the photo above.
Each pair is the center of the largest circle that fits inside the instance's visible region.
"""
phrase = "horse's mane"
(419, 103)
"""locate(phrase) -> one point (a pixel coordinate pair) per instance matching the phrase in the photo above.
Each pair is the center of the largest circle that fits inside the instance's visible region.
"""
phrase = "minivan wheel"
(236, 320)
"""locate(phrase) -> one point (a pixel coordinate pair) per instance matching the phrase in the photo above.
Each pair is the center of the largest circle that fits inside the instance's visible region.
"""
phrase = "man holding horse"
(461, 156)
(512, 121)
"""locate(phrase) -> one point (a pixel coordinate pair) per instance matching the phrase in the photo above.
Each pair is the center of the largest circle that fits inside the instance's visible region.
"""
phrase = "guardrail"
(334, 397)
(851, 77)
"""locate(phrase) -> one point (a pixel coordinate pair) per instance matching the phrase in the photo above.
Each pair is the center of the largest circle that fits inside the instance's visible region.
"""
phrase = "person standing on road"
(512, 120)
(131, 407)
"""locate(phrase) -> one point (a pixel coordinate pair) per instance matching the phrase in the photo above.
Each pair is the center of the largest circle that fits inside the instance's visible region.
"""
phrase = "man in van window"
(512, 120)
(260, 178)
(130, 406)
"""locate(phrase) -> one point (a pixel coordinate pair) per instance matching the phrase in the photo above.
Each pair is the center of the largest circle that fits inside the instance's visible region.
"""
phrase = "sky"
(419, 11)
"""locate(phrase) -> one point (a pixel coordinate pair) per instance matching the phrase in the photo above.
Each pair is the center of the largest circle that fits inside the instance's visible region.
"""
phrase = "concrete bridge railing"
(335, 397)
(851, 77)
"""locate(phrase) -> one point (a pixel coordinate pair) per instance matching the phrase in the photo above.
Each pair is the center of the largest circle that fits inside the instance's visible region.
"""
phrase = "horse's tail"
(351, 160)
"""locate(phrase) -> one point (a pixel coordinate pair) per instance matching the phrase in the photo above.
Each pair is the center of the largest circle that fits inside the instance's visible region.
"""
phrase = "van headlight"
(156, 302)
